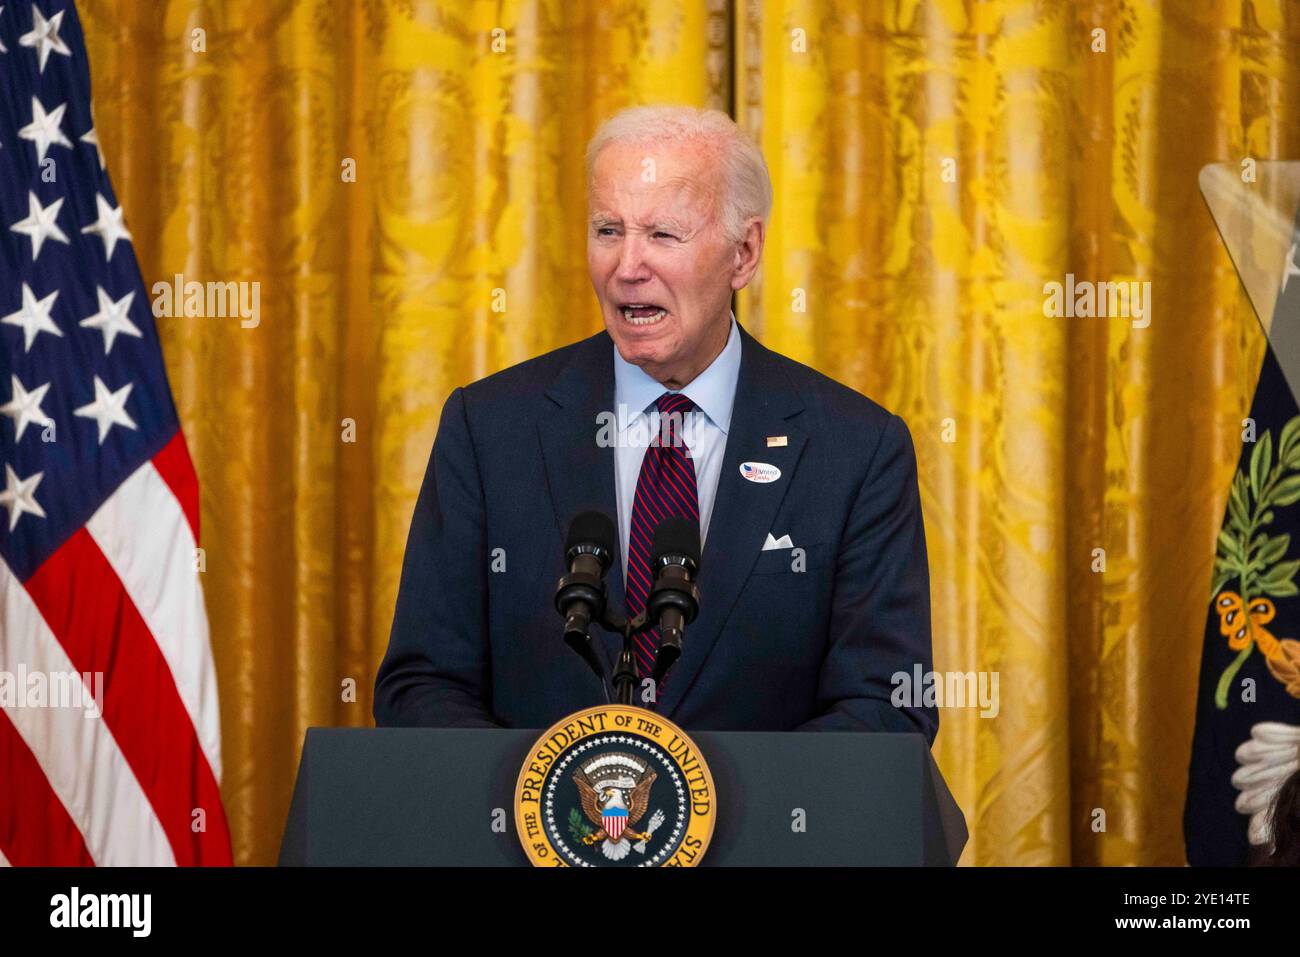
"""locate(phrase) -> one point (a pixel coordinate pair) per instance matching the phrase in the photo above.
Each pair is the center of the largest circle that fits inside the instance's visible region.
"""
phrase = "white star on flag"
(93, 139)
(3, 49)
(112, 318)
(20, 495)
(108, 409)
(44, 130)
(34, 316)
(40, 223)
(109, 226)
(44, 36)
(25, 407)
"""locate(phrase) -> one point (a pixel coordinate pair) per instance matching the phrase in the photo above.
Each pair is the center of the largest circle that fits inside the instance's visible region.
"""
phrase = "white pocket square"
(775, 544)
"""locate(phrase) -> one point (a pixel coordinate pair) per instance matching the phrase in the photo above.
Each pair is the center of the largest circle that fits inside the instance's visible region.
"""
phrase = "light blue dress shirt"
(704, 430)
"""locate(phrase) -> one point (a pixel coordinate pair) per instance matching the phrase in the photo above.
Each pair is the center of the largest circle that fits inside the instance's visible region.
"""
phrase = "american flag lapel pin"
(777, 441)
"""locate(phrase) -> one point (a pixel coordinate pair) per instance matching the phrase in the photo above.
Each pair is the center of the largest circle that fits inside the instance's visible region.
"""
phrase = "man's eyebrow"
(604, 219)
(671, 225)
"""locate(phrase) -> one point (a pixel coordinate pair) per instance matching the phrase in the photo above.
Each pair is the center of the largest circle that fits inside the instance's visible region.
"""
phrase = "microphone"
(674, 600)
(580, 596)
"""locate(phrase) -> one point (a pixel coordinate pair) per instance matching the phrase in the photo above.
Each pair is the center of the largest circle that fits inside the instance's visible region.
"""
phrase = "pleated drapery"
(404, 181)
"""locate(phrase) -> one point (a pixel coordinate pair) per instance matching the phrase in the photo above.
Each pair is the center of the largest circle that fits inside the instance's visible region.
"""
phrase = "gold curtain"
(230, 128)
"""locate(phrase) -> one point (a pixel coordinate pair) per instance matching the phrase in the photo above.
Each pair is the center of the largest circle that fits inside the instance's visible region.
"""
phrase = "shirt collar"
(713, 391)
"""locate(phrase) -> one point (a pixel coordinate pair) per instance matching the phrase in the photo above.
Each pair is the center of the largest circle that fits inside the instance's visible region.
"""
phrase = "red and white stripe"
(614, 824)
(121, 596)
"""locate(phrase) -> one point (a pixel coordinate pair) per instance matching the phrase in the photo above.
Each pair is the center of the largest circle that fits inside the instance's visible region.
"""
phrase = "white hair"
(746, 185)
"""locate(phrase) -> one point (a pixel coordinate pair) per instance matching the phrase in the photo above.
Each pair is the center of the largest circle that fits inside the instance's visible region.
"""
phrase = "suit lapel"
(743, 511)
(579, 472)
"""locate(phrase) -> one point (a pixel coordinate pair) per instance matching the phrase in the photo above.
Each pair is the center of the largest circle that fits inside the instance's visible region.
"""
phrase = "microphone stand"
(624, 676)
(681, 594)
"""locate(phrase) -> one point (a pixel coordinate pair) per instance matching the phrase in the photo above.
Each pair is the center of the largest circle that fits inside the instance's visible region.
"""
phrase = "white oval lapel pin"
(759, 472)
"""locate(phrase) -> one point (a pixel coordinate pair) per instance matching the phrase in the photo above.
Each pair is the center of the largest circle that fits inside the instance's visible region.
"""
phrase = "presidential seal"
(615, 786)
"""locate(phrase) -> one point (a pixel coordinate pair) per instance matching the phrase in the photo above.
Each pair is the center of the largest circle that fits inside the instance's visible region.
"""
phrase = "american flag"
(99, 511)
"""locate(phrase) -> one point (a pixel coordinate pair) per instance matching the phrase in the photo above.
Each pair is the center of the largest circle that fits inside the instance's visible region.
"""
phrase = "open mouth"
(642, 313)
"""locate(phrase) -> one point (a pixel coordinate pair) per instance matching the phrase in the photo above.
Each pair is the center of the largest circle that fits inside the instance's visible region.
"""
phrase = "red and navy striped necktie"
(666, 489)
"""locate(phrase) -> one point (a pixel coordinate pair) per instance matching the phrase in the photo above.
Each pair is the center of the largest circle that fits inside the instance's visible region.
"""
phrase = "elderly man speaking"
(813, 580)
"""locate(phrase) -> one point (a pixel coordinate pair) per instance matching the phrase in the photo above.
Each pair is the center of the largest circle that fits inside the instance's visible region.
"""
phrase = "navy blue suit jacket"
(516, 458)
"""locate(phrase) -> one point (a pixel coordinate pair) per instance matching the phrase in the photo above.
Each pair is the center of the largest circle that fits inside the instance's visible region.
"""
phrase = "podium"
(443, 797)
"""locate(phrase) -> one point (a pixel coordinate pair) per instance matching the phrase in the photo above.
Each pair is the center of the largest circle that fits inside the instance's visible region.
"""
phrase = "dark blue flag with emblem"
(1248, 703)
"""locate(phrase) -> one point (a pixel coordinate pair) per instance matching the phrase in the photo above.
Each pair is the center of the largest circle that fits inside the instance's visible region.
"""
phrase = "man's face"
(660, 265)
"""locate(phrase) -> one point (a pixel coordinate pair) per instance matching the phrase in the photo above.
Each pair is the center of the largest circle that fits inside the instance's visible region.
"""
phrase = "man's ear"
(749, 252)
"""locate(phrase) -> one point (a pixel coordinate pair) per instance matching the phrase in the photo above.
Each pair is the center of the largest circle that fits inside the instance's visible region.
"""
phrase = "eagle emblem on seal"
(614, 790)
